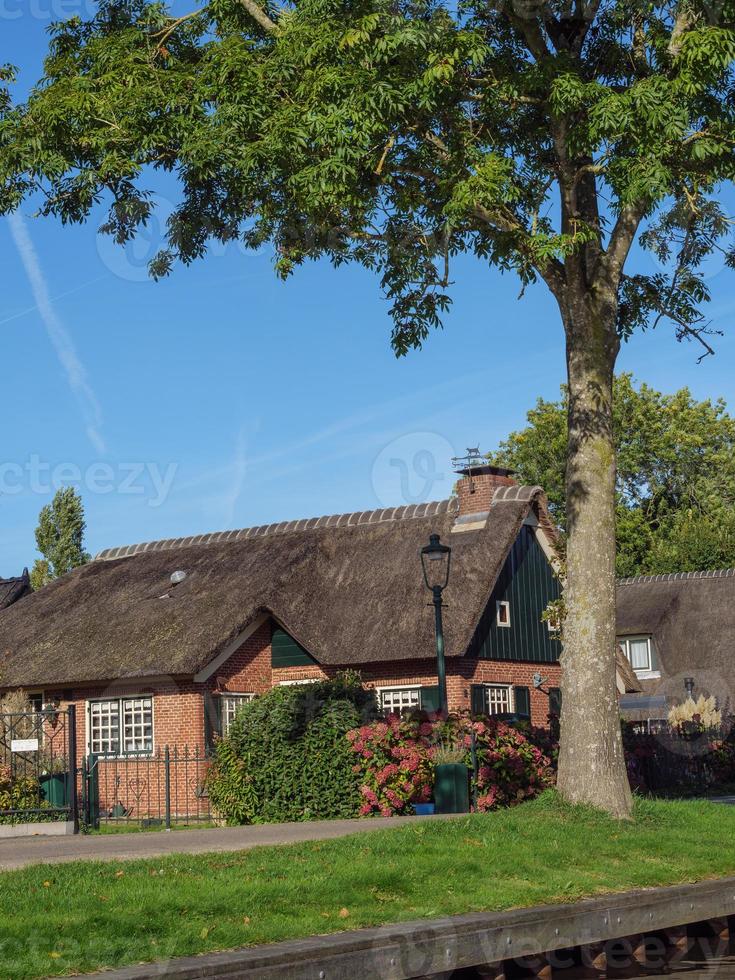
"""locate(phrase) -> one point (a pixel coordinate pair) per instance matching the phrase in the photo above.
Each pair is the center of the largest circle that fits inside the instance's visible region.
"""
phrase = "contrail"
(57, 333)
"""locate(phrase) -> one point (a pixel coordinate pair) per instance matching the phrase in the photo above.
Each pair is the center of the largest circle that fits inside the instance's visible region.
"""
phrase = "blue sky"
(221, 398)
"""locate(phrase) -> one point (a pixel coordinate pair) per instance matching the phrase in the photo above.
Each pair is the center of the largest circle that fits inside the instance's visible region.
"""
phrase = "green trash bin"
(452, 788)
(54, 789)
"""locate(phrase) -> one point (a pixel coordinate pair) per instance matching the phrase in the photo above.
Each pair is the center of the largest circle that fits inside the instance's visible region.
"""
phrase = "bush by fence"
(286, 756)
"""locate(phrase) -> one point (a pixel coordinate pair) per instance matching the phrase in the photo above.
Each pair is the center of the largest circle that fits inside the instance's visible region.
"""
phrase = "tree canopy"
(59, 537)
(675, 501)
(398, 135)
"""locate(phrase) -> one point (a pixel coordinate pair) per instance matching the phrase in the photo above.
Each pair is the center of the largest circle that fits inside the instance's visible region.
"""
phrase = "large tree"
(59, 537)
(539, 135)
(675, 501)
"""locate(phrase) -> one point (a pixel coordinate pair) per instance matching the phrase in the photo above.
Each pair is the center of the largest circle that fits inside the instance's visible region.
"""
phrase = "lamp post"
(689, 687)
(435, 560)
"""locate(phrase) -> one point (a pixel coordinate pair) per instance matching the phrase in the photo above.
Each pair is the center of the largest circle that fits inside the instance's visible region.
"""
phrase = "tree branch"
(257, 13)
(621, 240)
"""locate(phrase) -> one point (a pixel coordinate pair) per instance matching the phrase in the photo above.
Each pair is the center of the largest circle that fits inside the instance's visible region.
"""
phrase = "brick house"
(150, 663)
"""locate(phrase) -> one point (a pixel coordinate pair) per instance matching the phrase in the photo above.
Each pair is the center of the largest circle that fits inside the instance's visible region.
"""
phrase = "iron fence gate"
(38, 766)
(160, 790)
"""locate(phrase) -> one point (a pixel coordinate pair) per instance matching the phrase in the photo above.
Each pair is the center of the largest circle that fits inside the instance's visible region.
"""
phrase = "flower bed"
(395, 761)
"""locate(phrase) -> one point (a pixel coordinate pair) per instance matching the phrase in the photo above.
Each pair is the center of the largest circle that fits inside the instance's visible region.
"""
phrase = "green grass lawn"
(79, 917)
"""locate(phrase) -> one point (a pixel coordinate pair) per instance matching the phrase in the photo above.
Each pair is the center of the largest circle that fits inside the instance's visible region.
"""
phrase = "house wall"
(250, 670)
(527, 582)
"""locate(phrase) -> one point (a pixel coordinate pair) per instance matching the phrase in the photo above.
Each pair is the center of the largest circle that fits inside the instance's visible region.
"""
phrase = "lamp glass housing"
(435, 562)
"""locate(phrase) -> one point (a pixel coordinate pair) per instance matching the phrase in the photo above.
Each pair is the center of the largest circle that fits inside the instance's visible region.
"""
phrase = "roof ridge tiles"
(678, 576)
(351, 519)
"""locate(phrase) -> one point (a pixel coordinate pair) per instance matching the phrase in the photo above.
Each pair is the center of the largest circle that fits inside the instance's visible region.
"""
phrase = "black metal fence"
(670, 764)
(37, 766)
(151, 791)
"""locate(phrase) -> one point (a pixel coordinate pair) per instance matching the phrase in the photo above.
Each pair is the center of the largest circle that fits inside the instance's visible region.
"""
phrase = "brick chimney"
(477, 485)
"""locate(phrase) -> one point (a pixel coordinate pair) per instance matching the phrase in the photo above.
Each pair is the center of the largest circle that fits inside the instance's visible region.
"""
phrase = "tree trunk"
(591, 760)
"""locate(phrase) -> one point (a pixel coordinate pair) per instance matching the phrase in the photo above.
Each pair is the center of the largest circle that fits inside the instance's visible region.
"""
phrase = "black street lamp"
(435, 560)
(689, 687)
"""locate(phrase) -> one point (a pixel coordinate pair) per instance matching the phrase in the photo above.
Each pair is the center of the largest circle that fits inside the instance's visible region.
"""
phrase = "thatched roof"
(626, 674)
(348, 588)
(12, 589)
(691, 617)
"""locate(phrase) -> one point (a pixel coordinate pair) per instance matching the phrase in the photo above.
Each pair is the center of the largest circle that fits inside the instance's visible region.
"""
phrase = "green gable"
(286, 652)
(527, 583)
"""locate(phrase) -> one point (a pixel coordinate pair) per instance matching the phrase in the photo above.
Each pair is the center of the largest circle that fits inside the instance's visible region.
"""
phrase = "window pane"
(137, 724)
(104, 727)
(400, 701)
(231, 704)
(639, 654)
(498, 699)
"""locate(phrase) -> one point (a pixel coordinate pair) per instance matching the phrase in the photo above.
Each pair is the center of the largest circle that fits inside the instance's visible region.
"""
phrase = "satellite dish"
(177, 577)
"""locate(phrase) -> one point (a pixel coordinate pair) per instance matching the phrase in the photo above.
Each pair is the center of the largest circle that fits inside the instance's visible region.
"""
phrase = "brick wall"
(476, 488)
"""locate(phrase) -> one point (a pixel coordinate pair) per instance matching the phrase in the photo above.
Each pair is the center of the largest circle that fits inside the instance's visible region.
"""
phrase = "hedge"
(286, 756)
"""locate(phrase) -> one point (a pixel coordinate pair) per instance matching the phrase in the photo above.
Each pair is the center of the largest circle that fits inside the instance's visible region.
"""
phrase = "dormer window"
(502, 613)
(638, 650)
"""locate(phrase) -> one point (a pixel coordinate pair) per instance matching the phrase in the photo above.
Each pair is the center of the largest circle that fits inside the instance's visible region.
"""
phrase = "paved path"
(19, 852)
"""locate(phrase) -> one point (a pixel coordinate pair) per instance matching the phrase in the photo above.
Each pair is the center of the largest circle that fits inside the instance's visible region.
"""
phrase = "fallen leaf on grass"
(119, 874)
(47, 884)
(54, 955)
(344, 913)
(246, 920)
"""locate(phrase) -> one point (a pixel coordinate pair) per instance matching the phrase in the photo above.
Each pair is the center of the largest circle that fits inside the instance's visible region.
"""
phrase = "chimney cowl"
(487, 469)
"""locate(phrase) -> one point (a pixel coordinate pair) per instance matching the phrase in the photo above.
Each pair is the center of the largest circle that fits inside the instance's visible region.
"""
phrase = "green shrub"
(20, 792)
(286, 756)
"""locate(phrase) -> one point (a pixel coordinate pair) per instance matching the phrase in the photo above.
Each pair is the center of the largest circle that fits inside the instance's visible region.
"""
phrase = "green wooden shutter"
(555, 701)
(212, 720)
(429, 698)
(477, 700)
(522, 699)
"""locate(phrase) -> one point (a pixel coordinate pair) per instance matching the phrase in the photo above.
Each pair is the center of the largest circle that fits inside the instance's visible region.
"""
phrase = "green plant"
(19, 792)
(286, 756)
(447, 753)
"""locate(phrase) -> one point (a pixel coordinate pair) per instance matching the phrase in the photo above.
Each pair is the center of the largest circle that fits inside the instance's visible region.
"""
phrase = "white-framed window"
(638, 651)
(231, 704)
(399, 700)
(499, 699)
(502, 613)
(121, 726)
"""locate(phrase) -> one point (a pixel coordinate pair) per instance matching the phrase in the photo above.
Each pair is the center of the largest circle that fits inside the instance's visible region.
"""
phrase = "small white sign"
(24, 745)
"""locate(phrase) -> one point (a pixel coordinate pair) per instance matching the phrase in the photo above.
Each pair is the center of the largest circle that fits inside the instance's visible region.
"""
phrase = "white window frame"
(502, 604)
(121, 752)
(399, 689)
(643, 672)
(232, 701)
(507, 691)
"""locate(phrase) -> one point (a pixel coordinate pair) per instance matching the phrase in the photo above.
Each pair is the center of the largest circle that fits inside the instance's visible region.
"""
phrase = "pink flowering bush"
(395, 761)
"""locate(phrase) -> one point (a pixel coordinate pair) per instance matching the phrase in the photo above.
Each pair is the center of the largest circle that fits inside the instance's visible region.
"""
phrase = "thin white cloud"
(61, 341)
